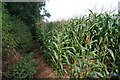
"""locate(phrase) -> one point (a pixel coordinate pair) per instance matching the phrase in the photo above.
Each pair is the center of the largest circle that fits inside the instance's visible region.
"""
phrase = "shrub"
(8, 37)
(25, 68)
(22, 34)
(15, 33)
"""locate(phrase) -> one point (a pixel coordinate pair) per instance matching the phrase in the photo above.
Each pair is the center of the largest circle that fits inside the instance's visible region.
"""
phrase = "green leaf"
(112, 54)
(100, 74)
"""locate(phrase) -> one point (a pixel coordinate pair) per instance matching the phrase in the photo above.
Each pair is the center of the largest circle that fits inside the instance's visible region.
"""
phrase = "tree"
(27, 11)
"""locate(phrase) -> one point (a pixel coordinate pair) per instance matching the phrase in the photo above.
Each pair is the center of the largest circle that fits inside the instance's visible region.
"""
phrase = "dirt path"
(43, 70)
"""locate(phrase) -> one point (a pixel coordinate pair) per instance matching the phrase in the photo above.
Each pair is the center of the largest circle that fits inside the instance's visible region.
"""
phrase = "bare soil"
(43, 70)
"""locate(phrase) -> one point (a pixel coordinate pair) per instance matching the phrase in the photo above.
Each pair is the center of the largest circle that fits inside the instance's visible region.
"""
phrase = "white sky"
(65, 9)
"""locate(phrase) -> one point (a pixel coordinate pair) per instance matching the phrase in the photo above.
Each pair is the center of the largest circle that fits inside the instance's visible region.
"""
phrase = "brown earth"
(43, 70)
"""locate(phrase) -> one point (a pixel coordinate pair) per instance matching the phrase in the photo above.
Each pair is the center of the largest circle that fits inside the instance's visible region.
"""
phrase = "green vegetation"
(22, 34)
(83, 48)
(25, 68)
(87, 47)
(7, 27)
(18, 25)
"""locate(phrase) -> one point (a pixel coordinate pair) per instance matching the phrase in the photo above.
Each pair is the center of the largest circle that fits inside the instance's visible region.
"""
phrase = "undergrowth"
(25, 68)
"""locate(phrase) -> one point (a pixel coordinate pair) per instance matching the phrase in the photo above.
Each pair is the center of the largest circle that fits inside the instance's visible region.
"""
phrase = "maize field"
(85, 47)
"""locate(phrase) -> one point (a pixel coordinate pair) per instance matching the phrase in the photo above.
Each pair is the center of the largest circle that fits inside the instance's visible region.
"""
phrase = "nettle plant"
(84, 47)
(26, 68)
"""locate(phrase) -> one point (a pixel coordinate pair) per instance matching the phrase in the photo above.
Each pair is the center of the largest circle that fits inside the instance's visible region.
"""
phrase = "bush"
(9, 42)
(15, 33)
(26, 68)
(22, 34)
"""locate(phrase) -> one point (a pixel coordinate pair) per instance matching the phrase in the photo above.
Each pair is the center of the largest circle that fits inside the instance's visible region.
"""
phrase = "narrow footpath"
(43, 70)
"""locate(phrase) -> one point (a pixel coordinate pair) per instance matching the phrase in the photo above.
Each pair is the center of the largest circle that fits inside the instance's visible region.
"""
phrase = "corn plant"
(84, 48)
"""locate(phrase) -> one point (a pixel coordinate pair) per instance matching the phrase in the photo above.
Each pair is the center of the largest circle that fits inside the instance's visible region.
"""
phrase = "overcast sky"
(65, 9)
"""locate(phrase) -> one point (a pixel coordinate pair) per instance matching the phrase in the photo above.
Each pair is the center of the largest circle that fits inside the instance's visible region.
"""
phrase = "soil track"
(43, 71)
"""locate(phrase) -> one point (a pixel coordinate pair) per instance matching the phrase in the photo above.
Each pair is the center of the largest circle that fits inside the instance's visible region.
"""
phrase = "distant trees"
(29, 12)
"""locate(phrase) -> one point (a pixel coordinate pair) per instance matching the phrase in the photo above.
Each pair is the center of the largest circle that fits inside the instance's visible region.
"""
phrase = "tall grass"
(84, 47)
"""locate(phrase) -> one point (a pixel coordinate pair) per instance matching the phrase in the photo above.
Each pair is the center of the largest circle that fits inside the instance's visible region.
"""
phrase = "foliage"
(16, 34)
(26, 68)
(18, 24)
(22, 34)
(29, 12)
(84, 47)
(7, 35)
